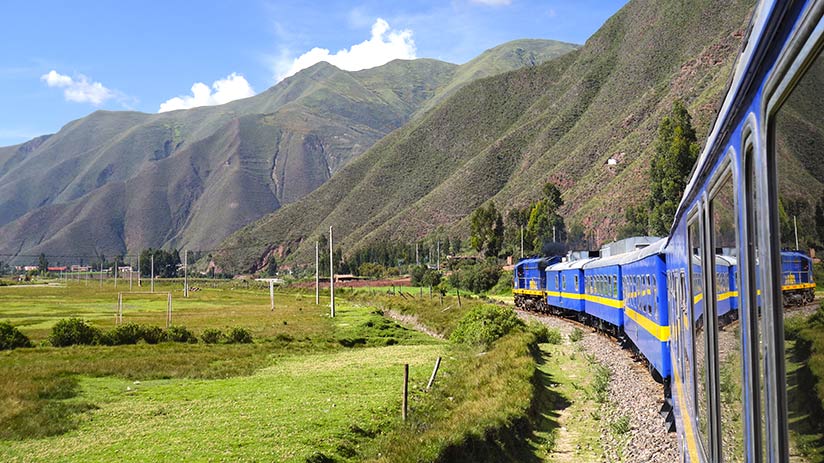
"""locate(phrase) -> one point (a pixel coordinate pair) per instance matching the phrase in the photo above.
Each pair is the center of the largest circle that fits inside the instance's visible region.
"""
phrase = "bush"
(153, 334)
(240, 336)
(73, 331)
(12, 338)
(554, 336)
(128, 333)
(211, 336)
(484, 325)
(180, 334)
(576, 335)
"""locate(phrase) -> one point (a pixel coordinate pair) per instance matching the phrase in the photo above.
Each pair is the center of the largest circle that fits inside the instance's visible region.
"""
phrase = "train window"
(563, 282)
(794, 144)
(727, 332)
(557, 286)
(576, 283)
(702, 409)
(654, 295)
(614, 287)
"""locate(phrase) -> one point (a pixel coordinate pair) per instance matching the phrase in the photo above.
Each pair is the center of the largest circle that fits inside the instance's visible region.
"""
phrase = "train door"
(790, 189)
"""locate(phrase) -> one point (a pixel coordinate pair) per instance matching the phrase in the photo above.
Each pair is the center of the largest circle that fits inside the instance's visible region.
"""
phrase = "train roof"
(537, 261)
(629, 257)
(570, 265)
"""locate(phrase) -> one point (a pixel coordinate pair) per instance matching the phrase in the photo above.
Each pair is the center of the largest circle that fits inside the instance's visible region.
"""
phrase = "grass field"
(295, 393)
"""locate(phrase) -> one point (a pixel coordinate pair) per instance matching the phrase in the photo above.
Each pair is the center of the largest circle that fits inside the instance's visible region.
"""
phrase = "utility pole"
(138, 271)
(795, 225)
(115, 273)
(101, 273)
(438, 265)
(331, 275)
(417, 259)
(553, 234)
(522, 241)
(317, 273)
(152, 285)
(185, 274)
(131, 270)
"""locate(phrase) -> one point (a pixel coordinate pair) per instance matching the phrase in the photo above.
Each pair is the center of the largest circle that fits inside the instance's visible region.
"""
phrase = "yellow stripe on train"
(529, 292)
(660, 332)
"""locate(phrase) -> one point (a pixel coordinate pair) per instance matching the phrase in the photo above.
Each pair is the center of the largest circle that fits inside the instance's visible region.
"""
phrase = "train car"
(604, 302)
(797, 282)
(565, 286)
(646, 316)
(733, 394)
(529, 283)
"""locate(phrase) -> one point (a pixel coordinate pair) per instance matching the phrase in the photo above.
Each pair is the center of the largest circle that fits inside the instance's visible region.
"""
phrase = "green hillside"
(503, 137)
(116, 182)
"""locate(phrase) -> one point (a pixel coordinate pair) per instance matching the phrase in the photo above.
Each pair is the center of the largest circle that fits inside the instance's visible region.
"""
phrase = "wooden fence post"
(405, 389)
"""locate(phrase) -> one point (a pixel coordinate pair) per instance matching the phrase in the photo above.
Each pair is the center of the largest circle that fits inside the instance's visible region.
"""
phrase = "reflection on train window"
(730, 356)
(700, 348)
(796, 145)
(684, 318)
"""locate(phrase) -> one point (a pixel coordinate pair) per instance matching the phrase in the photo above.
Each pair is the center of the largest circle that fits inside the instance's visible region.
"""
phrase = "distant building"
(57, 269)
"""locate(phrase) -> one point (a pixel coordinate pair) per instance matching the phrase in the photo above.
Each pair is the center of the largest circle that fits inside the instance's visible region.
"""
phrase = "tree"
(272, 266)
(676, 150)
(486, 230)
(637, 222)
(42, 263)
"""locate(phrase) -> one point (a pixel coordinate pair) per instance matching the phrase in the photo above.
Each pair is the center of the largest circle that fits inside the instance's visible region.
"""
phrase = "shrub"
(485, 324)
(153, 334)
(240, 336)
(180, 334)
(371, 270)
(12, 338)
(554, 336)
(540, 331)
(73, 331)
(211, 336)
(128, 333)
(576, 335)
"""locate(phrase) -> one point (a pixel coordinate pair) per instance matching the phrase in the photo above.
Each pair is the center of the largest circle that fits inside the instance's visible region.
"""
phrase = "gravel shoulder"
(633, 399)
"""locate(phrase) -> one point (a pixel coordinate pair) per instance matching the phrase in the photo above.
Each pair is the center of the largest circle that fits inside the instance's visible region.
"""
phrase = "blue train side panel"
(565, 285)
(646, 310)
(604, 295)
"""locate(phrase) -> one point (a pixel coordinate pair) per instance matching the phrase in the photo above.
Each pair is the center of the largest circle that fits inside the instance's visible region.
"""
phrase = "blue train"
(706, 305)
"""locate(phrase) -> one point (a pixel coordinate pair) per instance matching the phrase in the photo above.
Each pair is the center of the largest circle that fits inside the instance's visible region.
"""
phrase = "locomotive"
(705, 306)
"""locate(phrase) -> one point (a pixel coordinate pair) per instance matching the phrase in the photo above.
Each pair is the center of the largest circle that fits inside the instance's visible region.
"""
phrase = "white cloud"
(493, 2)
(384, 46)
(233, 87)
(79, 89)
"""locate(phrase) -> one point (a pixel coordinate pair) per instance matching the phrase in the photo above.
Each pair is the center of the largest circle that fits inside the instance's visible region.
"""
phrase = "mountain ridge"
(288, 140)
(501, 138)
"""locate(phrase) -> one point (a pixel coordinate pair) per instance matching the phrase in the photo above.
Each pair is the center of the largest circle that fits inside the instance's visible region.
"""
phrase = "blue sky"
(60, 61)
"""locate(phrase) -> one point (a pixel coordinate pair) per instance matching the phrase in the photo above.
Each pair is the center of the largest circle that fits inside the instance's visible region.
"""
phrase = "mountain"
(116, 182)
(501, 138)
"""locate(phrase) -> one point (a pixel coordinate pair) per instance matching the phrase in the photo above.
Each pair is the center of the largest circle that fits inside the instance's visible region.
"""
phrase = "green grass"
(297, 405)
(172, 402)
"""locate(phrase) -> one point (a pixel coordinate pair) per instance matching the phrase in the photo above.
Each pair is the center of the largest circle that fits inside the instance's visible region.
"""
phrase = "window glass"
(699, 336)
(796, 144)
(615, 287)
(730, 351)
(576, 283)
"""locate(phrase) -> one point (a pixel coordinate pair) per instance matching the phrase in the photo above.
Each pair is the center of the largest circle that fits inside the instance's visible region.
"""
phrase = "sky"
(61, 61)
